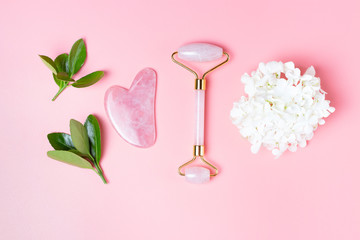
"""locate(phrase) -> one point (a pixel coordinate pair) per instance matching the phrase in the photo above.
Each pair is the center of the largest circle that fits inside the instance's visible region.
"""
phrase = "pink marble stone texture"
(132, 111)
(200, 52)
(197, 175)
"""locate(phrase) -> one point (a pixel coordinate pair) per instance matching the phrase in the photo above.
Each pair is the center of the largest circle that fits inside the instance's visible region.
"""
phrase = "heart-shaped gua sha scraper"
(132, 111)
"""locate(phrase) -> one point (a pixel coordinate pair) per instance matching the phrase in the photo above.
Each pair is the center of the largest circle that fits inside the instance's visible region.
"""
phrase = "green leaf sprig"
(82, 148)
(66, 65)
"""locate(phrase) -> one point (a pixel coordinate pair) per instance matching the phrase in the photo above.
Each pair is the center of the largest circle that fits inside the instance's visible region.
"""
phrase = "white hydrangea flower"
(283, 108)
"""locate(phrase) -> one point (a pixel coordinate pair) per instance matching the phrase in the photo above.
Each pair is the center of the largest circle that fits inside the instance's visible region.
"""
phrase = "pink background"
(311, 194)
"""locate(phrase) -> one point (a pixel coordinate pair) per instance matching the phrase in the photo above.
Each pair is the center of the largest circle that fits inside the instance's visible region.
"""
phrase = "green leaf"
(60, 141)
(77, 153)
(49, 63)
(93, 131)
(57, 81)
(79, 137)
(77, 56)
(88, 80)
(69, 158)
(63, 76)
(62, 63)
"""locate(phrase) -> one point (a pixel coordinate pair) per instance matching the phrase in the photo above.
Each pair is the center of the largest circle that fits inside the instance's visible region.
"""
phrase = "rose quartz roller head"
(199, 52)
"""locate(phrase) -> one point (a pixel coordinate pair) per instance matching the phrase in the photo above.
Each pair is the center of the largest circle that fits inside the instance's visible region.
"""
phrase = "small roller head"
(197, 175)
(200, 52)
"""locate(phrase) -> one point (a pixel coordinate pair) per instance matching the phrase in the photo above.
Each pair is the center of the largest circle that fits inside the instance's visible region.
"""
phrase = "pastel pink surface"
(313, 194)
(132, 111)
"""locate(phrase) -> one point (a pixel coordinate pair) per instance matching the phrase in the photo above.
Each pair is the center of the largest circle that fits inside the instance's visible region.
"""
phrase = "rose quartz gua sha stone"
(199, 52)
(132, 112)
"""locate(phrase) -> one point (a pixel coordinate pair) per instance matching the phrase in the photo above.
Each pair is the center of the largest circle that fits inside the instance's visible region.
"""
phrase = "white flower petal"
(289, 66)
(275, 67)
(292, 148)
(302, 143)
(310, 71)
(280, 113)
(276, 151)
(255, 147)
(331, 109)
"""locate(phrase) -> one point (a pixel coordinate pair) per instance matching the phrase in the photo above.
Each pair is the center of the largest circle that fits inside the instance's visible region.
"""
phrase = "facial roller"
(199, 52)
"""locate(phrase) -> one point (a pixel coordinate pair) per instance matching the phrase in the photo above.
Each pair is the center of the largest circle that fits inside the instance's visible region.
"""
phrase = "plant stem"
(100, 173)
(58, 93)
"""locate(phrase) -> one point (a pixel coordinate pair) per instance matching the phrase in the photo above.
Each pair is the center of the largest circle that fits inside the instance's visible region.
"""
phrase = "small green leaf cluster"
(66, 65)
(82, 148)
